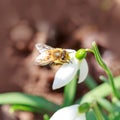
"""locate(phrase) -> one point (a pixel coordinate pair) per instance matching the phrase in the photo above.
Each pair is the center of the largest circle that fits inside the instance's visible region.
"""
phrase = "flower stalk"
(106, 69)
(97, 111)
(70, 91)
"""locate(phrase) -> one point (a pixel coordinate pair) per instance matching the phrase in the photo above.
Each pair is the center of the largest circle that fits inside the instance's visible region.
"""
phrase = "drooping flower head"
(70, 64)
(67, 71)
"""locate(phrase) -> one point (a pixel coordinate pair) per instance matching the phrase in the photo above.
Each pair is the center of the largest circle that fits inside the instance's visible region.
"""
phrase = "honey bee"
(49, 55)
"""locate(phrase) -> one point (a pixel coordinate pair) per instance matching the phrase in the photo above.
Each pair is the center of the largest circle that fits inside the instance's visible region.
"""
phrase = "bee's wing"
(43, 62)
(42, 59)
(42, 47)
(70, 50)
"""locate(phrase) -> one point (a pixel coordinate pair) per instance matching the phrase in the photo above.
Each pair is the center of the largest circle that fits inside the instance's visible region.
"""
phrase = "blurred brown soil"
(67, 24)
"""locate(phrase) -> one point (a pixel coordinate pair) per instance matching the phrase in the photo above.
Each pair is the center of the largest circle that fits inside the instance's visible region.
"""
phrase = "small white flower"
(67, 71)
(68, 113)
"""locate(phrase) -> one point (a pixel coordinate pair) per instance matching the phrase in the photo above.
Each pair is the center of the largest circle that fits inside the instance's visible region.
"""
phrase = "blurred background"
(58, 23)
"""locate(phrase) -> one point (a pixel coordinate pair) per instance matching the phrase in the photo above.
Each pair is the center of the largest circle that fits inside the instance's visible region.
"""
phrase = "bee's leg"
(58, 63)
(68, 61)
(51, 63)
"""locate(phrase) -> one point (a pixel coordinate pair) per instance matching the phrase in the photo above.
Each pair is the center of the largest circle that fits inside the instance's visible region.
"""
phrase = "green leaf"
(90, 115)
(105, 104)
(104, 79)
(90, 82)
(114, 116)
(19, 107)
(28, 100)
(102, 90)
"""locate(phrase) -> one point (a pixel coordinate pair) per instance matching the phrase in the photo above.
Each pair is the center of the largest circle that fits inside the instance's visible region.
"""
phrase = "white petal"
(70, 50)
(71, 53)
(65, 73)
(83, 71)
(81, 116)
(68, 113)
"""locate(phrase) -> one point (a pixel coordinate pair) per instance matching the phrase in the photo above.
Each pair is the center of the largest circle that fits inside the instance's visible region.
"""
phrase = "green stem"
(106, 69)
(69, 92)
(97, 111)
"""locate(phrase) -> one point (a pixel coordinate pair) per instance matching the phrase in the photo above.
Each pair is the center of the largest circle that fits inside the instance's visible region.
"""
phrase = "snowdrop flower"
(67, 71)
(68, 113)
(71, 61)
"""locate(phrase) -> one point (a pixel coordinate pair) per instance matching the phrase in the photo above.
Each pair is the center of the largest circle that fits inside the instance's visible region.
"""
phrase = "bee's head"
(65, 56)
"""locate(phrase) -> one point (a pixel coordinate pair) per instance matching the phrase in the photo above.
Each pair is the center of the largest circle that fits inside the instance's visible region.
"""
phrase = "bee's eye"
(63, 55)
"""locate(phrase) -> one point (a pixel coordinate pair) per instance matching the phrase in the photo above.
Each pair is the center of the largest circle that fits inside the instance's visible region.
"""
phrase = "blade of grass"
(102, 90)
(105, 104)
(28, 100)
(90, 115)
(90, 82)
(20, 107)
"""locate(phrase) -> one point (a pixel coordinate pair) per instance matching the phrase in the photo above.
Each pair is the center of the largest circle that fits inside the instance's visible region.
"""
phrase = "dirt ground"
(67, 24)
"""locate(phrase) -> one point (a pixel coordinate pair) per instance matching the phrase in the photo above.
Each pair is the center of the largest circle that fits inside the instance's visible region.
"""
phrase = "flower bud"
(81, 54)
